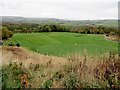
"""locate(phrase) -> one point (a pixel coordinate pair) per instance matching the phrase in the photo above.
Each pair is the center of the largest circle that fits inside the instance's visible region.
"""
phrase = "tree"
(47, 28)
(6, 33)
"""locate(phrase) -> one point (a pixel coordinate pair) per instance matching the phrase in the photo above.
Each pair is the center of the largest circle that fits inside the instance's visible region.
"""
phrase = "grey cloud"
(67, 9)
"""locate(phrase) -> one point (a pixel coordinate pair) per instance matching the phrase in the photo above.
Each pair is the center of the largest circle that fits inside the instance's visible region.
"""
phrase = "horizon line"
(57, 18)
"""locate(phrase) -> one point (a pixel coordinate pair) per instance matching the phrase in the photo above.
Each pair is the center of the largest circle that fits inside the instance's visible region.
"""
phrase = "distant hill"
(19, 20)
(11, 19)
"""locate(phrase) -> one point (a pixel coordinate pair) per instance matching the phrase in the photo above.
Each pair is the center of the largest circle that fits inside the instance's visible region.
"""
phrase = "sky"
(62, 9)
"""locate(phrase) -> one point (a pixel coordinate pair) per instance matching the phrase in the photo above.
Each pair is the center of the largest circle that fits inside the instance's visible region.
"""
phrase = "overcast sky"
(62, 9)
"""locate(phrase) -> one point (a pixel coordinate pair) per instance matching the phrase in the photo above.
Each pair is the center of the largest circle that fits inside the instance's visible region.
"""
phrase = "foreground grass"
(77, 71)
(62, 44)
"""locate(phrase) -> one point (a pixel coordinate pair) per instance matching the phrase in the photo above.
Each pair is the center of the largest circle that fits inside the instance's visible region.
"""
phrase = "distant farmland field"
(63, 43)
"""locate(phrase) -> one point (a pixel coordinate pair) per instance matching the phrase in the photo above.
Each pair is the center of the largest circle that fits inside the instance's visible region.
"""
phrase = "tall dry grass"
(32, 70)
(18, 54)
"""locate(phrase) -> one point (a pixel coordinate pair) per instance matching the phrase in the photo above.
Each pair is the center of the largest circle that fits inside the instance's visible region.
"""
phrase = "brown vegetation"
(75, 71)
(19, 54)
(112, 37)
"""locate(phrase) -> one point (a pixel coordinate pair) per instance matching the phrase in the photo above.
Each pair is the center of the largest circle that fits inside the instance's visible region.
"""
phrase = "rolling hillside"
(18, 20)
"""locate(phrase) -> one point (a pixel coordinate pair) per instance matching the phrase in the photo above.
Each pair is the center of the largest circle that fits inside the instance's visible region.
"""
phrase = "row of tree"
(28, 28)
(85, 29)
(88, 29)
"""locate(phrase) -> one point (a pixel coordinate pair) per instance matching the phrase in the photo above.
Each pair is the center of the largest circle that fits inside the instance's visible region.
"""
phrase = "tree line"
(29, 28)
(89, 29)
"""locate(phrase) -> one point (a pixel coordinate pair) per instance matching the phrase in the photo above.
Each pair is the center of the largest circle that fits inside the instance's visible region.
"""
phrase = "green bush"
(11, 44)
(18, 45)
(71, 82)
(6, 33)
(15, 75)
(47, 84)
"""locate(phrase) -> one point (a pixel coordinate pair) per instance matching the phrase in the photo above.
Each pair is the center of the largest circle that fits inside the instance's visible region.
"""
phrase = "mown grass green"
(64, 43)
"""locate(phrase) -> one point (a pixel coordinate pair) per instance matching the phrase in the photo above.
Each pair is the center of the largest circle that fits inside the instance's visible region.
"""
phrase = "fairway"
(64, 43)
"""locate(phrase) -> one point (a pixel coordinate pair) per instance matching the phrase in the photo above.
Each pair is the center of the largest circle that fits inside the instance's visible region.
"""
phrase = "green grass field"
(63, 43)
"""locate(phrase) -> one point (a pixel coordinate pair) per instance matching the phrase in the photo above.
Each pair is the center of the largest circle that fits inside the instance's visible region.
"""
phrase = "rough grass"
(26, 69)
(19, 54)
(63, 44)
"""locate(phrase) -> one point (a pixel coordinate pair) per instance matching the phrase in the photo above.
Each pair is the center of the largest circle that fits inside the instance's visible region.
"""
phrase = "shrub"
(15, 75)
(71, 82)
(58, 75)
(47, 84)
(11, 44)
(108, 72)
(18, 45)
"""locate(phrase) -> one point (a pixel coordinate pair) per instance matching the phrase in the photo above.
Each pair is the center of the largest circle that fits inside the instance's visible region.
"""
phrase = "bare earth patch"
(113, 38)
